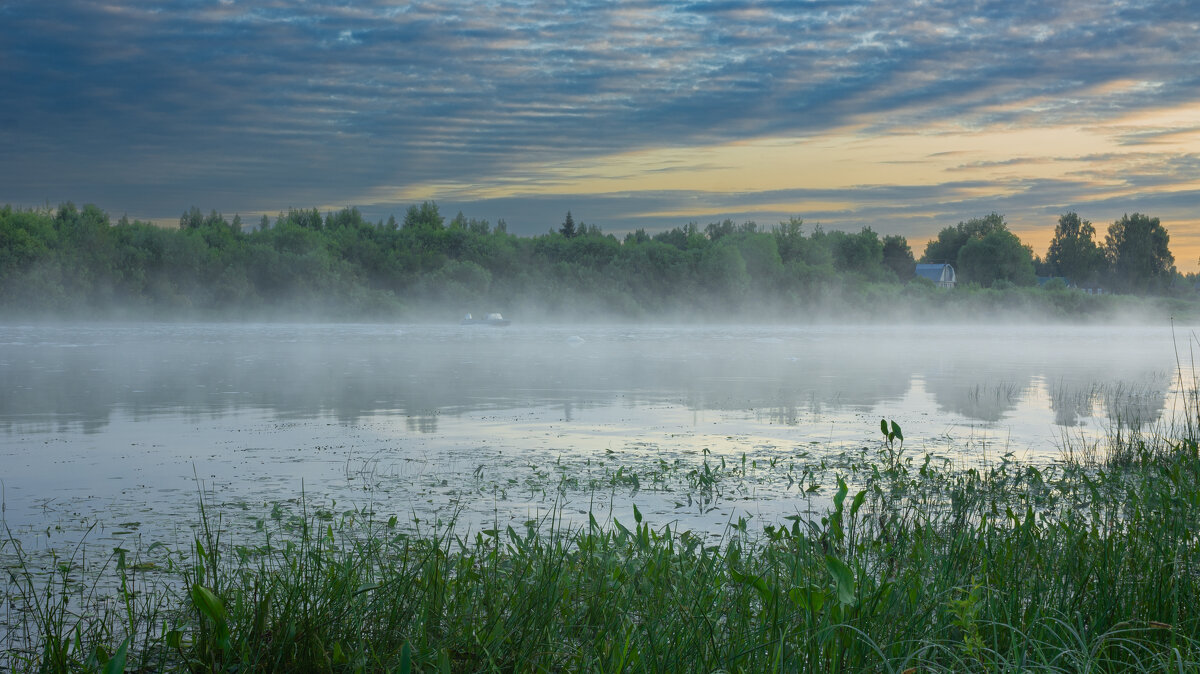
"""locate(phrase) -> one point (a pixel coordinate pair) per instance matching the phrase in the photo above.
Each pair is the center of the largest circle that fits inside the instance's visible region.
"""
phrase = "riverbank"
(1090, 564)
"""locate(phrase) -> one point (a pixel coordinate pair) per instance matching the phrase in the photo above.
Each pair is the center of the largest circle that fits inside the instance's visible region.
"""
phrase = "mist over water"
(125, 424)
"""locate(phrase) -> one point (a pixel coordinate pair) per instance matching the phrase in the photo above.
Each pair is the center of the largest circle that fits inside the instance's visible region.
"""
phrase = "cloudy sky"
(905, 116)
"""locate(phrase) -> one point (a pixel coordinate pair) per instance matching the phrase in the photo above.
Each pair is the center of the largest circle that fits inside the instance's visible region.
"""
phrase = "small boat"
(492, 319)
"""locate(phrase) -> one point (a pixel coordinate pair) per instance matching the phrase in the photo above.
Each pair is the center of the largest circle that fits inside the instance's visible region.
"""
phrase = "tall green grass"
(1088, 566)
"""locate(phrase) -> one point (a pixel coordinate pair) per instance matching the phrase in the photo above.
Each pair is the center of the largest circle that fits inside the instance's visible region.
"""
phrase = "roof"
(933, 272)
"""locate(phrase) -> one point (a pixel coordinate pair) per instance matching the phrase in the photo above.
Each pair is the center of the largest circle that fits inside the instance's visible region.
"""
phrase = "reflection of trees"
(299, 375)
(1135, 405)
(1122, 394)
(998, 373)
(422, 424)
(1070, 400)
(790, 412)
(989, 400)
(351, 372)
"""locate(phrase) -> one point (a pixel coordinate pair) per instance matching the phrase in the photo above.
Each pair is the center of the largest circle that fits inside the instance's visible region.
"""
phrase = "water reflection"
(125, 423)
(75, 378)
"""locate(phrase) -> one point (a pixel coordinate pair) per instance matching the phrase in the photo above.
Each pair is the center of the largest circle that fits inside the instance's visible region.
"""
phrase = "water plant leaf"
(843, 579)
(859, 499)
(756, 582)
(209, 604)
(839, 497)
(637, 514)
(116, 664)
(896, 432)
(406, 658)
(810, 598)
(99, 656)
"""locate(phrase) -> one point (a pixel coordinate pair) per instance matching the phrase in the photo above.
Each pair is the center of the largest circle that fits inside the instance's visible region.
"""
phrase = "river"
(113, 432)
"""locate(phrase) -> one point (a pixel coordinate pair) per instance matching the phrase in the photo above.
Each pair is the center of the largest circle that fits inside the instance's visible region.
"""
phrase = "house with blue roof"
(941, 274)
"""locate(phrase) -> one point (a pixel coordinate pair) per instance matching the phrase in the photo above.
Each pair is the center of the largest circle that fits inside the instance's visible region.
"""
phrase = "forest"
(75, 262)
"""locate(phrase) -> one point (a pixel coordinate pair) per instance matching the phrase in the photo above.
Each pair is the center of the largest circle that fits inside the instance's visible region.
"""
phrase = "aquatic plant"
(916, 566)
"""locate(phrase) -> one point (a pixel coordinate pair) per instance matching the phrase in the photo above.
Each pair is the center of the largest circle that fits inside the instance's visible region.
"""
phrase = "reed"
(1091, 565)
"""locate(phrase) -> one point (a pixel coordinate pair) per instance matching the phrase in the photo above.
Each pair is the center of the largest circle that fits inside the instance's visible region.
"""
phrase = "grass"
(1088, 566)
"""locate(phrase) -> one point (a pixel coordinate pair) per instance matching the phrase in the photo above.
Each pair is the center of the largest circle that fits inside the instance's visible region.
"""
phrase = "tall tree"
(426, 216)
(637, 236)
(999, 256)
(862, 252)
(898, 257)
(723, 270)
(568, 227)
(950, 240)
(25, 236)
(789, 238)
(1137, 249)
(716, 230)
(192, 218)
(1073, 252)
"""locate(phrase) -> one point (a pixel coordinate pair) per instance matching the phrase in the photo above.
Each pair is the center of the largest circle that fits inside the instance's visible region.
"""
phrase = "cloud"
(150, 106)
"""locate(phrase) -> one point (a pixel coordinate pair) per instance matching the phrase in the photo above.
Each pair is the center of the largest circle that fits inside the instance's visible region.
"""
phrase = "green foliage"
(1137, 249)
(723, 271)
(425, 217)
(789, 239)
(26, 237)
(75, 261)
(457, 282)
(1073, 251)
(763, 263)
(568, 227)
(688, 237)
(637, 236)
(718, 230)
(945, 248)
(998, 257)
(898, 257)
(1084, 565)
(862, 252)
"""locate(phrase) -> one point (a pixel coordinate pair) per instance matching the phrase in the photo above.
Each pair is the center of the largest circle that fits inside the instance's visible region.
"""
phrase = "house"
(942, 275)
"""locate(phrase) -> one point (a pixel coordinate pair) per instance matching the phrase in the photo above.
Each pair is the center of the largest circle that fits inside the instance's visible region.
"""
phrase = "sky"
(905, 116)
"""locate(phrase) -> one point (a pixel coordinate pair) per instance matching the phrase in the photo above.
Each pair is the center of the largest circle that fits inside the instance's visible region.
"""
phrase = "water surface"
(121, 427)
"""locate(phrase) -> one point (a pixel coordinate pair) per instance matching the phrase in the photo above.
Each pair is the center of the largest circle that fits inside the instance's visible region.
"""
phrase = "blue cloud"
(153, 105)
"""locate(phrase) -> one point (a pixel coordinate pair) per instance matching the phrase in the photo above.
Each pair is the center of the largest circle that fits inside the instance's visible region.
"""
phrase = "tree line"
(1133, 258)
(77, 261)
